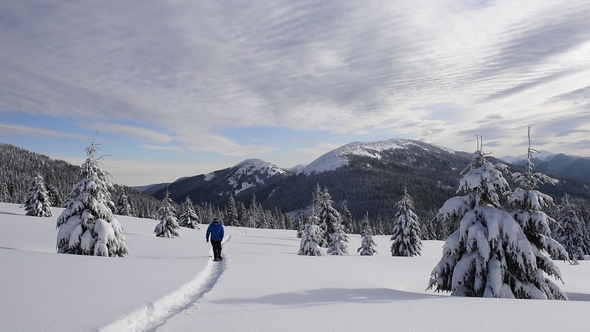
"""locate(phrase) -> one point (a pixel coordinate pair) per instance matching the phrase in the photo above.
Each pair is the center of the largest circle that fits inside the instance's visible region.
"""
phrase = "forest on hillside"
(358, 196)
(19, 166)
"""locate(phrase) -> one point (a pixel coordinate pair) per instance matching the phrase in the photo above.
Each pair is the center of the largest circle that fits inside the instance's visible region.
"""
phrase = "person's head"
(216, 221)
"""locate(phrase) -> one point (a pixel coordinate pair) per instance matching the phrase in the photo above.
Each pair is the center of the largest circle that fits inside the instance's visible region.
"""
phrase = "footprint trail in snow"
(155, 314)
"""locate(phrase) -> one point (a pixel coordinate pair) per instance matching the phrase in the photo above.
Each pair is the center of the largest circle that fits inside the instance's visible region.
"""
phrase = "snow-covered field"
(261, 285)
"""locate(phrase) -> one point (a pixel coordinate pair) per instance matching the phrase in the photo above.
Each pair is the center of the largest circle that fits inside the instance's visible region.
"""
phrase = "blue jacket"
(216, 231)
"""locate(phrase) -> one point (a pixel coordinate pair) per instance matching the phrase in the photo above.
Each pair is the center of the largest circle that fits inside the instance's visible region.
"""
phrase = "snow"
(261, 285)
(243, 186)
(337, 157)
(209, 176)
(250, 166)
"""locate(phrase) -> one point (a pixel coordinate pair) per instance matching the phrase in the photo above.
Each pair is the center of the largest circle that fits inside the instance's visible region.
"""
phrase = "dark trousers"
(216, 249)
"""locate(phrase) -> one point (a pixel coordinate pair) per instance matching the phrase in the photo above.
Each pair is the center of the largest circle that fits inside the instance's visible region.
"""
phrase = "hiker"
(216, 231)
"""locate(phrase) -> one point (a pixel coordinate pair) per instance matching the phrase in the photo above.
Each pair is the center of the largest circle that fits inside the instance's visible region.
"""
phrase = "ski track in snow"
(155, 314)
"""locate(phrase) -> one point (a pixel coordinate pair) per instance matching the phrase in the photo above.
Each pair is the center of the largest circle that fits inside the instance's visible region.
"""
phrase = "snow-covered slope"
(341, 156)
(250, 173)
(261, 285)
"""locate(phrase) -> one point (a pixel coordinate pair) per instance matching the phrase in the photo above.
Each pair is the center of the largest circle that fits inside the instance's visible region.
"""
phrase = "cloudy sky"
(184, 87)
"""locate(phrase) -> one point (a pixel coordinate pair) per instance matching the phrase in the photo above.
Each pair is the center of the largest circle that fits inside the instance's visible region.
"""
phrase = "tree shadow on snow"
(8, 248)
(11, 213)
(578, 296)
(332, 295)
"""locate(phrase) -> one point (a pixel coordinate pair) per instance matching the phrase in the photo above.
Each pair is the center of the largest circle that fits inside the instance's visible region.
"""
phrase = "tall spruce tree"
(535, 223)
(4, 193)
(570, 233)
(328, 218)
(38, 203)
(167, 216)
(368, 245)
(406, 229)
(347, 220)
(300, 220)
(231, 212)
(582, 209)
(489, 255)
(188, 217)
(87, 226)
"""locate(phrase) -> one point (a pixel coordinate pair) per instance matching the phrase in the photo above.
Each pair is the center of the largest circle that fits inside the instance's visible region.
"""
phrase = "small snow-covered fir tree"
(406, 229)
(368, 245)
(123, 206)
(38, 203)
(535, 223)
(87, 226)
(309, 239)
(570, 233)
(167, 216)
(338, 241)
(489, 255)
(188, 217)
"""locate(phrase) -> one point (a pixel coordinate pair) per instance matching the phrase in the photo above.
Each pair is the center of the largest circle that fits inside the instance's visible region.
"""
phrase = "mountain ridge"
(366, 176)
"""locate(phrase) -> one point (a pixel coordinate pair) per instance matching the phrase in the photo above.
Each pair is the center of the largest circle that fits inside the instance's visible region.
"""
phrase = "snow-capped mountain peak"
(252, 172)
(341, 156)
(250, 166)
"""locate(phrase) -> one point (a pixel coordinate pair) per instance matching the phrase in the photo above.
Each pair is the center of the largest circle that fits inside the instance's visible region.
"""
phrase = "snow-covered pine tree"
(4, 193)
(570, 233)
(54, 196)
(231, 212)
(583, 212)
(328, 217)
(308, 245)
(254, 214)
(535, 223)
(428, 232)
(38, 203)
(123, 206)
(406, 229)
(188, 217)
(347, 220)
(368, 245)
(300, 222)
(87, 226)
(242, 214)
(489, 255)
(338, 241)
(167, 216)
(278, 219)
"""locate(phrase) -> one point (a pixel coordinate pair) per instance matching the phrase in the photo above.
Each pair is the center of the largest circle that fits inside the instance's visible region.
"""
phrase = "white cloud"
(20, 130)
(196, 69)
(136, 132)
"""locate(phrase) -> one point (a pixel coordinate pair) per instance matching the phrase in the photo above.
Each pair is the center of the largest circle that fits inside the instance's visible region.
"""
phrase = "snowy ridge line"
(155, 314)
